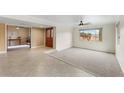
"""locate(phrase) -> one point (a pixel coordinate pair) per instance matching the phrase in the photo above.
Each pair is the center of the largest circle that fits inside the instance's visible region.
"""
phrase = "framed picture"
(94, 34)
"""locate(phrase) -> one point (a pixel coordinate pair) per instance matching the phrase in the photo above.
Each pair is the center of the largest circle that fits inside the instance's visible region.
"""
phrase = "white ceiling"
(47, 20)
(75, 19)
(17, 22)
(23, 20)
(60, 18)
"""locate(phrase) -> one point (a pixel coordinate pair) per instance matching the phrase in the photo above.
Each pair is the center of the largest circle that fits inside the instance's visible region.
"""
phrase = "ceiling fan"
(83, 23)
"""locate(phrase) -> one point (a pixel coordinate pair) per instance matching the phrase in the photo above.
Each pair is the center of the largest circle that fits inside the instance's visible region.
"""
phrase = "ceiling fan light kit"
(81, 23)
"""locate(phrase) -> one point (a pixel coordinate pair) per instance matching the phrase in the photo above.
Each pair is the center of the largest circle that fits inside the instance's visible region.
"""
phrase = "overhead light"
(81, 23)
(17, 28)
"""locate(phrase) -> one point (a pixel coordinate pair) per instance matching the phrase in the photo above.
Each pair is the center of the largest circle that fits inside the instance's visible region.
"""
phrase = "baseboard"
(38, 46)
(112, 52)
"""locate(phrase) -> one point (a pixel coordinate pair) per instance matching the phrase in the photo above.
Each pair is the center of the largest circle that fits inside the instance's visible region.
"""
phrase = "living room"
(90, 34)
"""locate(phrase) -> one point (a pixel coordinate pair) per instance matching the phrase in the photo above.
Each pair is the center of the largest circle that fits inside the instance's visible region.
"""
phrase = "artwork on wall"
(94, 34)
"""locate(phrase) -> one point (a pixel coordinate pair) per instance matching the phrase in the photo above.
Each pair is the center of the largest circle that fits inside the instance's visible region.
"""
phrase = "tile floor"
(36, 63)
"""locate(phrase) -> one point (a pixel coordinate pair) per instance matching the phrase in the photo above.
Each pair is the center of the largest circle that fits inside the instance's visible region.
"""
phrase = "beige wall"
(21, 32)
(37, 37)
(2, 38)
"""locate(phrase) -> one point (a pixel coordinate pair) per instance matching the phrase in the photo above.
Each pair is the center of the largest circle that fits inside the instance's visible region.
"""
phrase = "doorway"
(49, 37)
(18, 37)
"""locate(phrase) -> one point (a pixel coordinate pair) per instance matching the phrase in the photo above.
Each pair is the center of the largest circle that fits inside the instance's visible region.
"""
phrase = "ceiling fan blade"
(86, 23)
(81, 23)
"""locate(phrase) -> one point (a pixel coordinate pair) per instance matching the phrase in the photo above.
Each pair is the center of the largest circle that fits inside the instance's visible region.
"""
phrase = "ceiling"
(52, 20)
(60, 18)
(16, 22)
(19, 22)
(74, 19)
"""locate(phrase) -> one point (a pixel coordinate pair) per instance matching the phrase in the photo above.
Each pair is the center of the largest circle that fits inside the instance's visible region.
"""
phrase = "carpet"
(97, 63)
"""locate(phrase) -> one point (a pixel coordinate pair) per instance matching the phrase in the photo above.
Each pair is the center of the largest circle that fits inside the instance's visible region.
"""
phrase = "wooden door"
(49, 37)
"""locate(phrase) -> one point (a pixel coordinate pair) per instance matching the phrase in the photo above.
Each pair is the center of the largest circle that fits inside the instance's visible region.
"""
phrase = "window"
(94, 34)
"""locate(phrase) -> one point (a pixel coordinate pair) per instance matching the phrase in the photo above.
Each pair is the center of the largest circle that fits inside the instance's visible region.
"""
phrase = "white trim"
(108, 51)
(6, 38)
(38, 46)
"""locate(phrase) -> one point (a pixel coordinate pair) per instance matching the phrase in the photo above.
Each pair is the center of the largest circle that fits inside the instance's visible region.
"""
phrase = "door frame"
(54, 37)
(6, 36)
